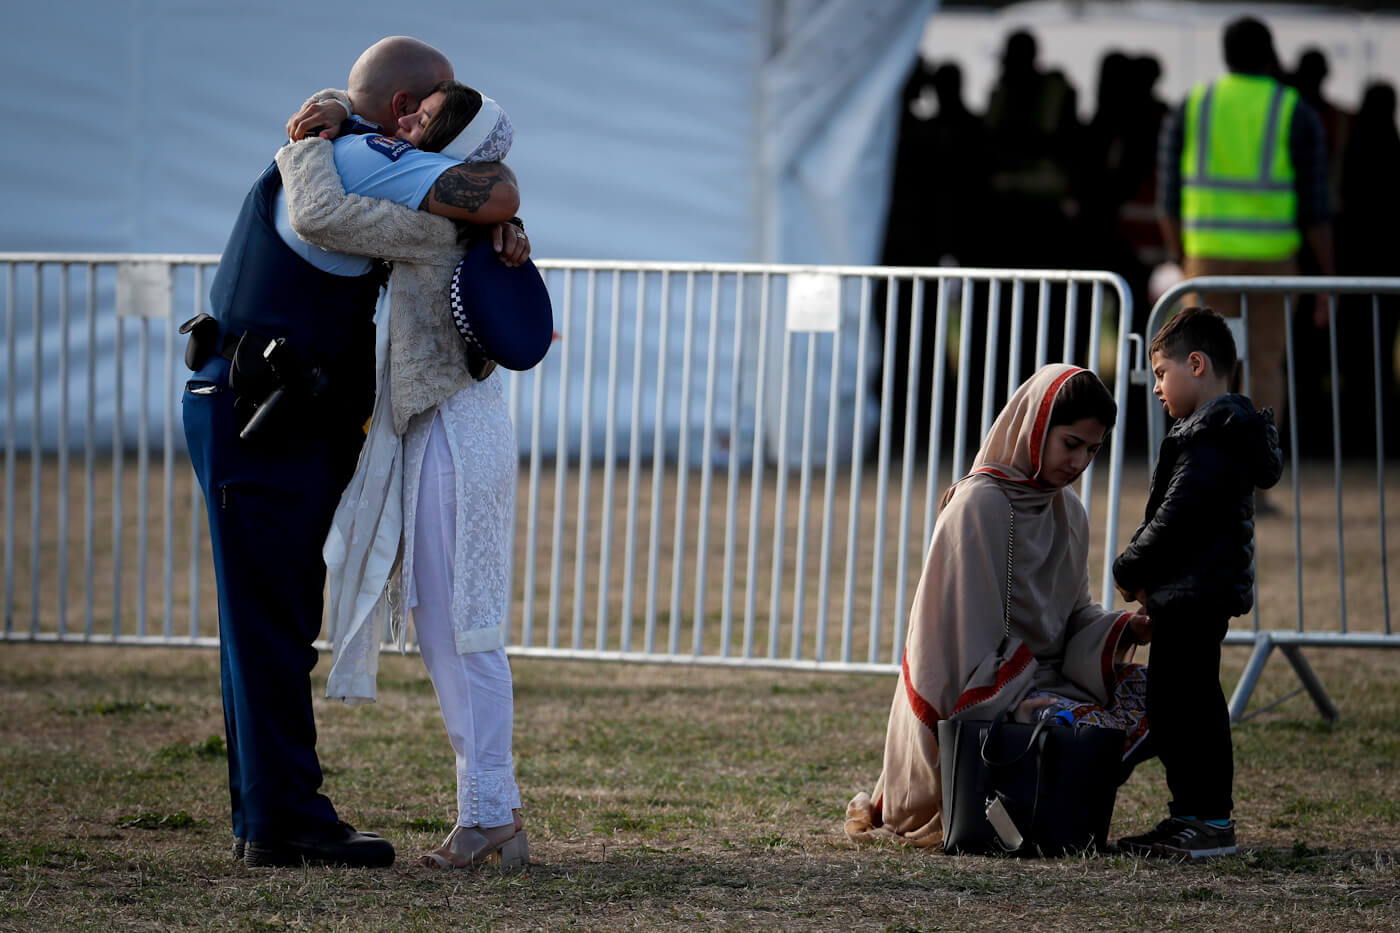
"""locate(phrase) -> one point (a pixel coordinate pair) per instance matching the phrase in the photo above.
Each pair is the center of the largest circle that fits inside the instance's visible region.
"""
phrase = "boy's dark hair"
(1194, 330)
(1084, 396)
(460, 104)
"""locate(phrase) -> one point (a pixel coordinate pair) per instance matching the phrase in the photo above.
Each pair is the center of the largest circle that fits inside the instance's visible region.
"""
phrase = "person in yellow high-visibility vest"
(1242, 187)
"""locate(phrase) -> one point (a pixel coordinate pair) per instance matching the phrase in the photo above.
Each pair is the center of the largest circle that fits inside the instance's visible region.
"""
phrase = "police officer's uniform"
(271, 496)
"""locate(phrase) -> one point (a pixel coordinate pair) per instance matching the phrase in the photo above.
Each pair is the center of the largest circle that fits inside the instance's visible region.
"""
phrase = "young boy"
(1191, 563)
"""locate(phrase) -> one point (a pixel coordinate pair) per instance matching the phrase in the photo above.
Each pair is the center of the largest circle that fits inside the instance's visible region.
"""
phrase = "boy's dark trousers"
(1187, 712)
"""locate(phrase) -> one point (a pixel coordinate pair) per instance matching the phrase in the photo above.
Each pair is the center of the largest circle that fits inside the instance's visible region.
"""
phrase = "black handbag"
(1008, 787)
(1045, 789)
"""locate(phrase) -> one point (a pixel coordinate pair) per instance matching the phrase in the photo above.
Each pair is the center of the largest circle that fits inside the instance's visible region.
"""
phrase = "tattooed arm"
(478, 192)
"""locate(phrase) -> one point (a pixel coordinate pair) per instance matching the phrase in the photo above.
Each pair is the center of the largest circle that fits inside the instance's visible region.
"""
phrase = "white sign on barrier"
(813, 302)
(143, 289)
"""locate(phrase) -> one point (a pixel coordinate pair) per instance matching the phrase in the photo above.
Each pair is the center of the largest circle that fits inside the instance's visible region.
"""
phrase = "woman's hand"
(511, 243)
(1141, 627)
(1026, 710)
(321, 118)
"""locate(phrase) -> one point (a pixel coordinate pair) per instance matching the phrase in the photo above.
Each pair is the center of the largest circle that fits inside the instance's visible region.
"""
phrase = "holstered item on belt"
(274, 390)
(204, 340)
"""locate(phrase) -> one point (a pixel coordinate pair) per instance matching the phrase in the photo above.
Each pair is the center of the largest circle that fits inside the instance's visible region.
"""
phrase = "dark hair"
(460, 104)
(1197, 330)
(1249, 47)
(1083, 395)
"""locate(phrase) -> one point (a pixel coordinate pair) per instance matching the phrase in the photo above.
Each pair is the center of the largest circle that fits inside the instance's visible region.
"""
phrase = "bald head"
(392, 76)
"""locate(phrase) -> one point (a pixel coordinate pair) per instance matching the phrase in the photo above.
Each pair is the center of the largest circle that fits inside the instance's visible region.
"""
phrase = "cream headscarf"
(956, 662)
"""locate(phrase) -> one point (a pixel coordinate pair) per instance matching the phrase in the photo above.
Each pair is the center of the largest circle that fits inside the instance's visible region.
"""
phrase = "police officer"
(1242, 185)
(274, 415)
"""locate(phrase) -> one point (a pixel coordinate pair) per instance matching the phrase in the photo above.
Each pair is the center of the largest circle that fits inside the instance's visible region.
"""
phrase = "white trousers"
(473, 690)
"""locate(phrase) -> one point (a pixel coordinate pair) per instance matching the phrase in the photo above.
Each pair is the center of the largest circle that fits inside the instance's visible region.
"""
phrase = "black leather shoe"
(336, 844)
(239, 847)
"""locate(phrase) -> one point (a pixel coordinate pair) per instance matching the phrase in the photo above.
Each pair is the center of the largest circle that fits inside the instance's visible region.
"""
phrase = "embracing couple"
(382, 442)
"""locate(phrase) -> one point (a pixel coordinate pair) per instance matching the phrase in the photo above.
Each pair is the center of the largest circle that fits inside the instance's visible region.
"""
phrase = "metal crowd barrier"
(1303, 633)
(712, 468)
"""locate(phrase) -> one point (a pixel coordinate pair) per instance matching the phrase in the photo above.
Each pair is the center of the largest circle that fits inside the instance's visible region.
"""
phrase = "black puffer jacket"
(1194, 550)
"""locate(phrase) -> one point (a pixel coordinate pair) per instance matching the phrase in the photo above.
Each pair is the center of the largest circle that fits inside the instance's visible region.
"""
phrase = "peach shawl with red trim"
(956, 664)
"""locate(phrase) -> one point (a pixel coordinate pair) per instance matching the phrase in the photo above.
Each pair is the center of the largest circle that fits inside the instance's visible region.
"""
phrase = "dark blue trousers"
(1188, 714)
(269, 511)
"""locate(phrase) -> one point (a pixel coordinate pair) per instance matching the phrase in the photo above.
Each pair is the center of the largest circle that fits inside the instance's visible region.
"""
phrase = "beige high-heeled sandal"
(468, 847)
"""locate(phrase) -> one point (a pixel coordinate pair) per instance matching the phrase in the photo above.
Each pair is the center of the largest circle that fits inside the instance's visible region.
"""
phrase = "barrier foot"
(1263, 644)
(1323, 702)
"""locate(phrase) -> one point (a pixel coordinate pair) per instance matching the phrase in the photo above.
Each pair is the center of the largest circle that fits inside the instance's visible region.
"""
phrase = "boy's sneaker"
(1195, 839)
(1142, 843)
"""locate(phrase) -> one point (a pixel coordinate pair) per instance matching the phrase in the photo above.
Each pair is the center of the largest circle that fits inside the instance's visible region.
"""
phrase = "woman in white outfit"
(442, 444)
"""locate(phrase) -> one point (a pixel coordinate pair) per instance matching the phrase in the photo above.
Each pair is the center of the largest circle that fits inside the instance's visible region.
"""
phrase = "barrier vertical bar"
(989, 356)
(1115, 470)
(64, 296)
(829, 496)
(707, 468)
(935, 415)
(118, 471)
(756, 470)
(36, 453)
(1071, 320)
(658, 462)
(561, 467)
(857, 459)
(532, 509)
(1092, 363)
(90, 459)
(634, 461)
(196, 494)
(682, 472)
(168, 467)
(1336, 453)
(1042, 323)
(1380, 453)
(799, 564)
(609, 465)
(882, 475)
(11, 428)
(775, 595)
(585, 460)
(964, 349)
(906, 489)
(143, 467)
(1294, 443)
(1018, 313)
(731, 509)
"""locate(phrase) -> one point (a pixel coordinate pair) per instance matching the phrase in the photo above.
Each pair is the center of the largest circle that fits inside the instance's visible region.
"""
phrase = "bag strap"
(1030, 741)
(1010, 553)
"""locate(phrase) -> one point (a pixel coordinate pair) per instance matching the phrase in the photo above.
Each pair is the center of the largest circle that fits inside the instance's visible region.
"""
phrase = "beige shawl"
(956, 662)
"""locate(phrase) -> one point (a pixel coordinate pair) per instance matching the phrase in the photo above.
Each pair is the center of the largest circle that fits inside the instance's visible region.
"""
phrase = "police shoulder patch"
(388, 146)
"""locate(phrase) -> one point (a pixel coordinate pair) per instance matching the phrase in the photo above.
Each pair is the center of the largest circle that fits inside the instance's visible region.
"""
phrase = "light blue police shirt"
(374, 166)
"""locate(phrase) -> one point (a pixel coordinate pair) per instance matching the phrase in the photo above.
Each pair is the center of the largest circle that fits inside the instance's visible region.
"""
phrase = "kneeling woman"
(1012, 529)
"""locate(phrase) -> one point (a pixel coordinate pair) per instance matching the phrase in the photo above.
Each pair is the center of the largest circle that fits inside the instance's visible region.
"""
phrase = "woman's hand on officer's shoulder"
(1141, 626)
(320, 118)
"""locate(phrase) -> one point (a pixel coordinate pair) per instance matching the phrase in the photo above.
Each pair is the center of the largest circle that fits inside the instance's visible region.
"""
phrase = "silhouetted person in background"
(1308, 78)
(936, 216)
(911, 190)
(1117, 180)
(1368, 243)
(1033, 129)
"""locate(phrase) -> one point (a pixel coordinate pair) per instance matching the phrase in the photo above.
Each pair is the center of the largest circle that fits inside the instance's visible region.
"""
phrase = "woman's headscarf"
(486, 138)
(1014, 447)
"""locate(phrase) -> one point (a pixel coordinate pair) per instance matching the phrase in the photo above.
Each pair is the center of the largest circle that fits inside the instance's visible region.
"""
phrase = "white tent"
(723, 130)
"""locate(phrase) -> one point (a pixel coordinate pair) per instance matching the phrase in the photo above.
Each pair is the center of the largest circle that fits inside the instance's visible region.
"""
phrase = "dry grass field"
(662, 795)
